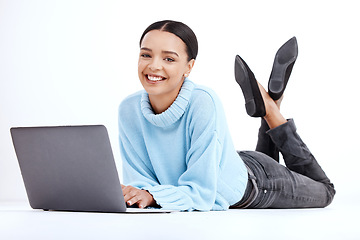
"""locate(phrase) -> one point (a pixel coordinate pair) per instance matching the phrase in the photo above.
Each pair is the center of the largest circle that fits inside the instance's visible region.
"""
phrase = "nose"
(155, 64)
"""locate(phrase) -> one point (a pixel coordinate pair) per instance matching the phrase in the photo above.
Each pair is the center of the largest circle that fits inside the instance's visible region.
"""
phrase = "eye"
(145, 55)
(169, 59)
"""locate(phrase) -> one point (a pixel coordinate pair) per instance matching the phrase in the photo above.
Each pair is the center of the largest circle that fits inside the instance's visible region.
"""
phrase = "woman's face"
(163, 64)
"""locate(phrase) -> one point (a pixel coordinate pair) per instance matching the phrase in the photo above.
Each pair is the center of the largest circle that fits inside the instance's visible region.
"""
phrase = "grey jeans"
(300, 184)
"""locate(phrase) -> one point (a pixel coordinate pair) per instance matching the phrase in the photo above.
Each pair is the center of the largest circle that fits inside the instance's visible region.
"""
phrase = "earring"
(186, 75)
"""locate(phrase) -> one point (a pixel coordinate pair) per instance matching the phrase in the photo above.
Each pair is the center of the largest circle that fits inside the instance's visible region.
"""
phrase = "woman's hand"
(133, 195)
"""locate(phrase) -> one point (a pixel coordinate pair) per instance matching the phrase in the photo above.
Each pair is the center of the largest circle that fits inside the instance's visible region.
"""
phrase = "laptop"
(70, 168)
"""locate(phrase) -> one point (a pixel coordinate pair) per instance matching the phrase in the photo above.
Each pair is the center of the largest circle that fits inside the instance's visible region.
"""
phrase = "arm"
(196, 188)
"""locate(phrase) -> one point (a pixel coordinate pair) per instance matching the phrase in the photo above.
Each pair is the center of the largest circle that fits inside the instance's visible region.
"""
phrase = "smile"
(155, 78)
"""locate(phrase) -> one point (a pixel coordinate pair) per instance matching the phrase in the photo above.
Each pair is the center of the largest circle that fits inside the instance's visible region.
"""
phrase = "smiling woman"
(176, 147)
(173, 135)
(162, 67)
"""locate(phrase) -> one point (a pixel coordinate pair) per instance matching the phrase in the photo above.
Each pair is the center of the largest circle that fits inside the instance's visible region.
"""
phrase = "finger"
(131, 195)
(128, 195)
(142, 203)
(133, 200)
(145, 200)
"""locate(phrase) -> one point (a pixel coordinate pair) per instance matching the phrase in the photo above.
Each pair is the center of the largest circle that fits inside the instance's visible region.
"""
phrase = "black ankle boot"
(254, 103)
(282, 67)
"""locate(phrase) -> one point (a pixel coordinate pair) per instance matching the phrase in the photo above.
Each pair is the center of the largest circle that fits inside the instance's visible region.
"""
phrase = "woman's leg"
(302, 183)
(283, 134)
(278, 187)
(265, 143)
(296, 154)
(306, 180)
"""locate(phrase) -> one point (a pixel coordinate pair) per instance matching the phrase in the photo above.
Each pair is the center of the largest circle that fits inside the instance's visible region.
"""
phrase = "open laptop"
(70, 168)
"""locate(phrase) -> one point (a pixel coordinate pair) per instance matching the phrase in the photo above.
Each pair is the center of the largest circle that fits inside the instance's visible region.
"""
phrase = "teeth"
(153, 78)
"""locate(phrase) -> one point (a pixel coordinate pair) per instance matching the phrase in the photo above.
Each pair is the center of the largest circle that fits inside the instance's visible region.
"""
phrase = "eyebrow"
(167, 52)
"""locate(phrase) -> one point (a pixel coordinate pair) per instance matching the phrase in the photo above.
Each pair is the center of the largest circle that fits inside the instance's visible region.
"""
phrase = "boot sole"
(282, 67)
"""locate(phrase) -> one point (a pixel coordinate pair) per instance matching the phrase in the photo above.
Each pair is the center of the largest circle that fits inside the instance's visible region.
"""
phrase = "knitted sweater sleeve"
(197, 186)
(196, 189)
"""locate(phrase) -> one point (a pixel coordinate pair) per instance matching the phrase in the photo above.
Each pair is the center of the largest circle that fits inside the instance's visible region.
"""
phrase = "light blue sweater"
(184, 156)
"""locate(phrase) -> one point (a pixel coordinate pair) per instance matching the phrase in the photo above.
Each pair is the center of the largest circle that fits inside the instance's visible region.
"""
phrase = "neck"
(160, 103)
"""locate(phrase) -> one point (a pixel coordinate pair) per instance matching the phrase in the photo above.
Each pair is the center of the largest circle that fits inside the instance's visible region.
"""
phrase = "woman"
(176, 147)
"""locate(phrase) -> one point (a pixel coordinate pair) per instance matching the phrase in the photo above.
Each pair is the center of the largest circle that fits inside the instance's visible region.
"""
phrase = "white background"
(72, 62)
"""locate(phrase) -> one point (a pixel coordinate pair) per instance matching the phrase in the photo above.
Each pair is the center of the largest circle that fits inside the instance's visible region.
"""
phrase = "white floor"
(338, 221)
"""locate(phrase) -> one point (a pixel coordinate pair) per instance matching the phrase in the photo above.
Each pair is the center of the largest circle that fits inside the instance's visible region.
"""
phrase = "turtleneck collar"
(174, 112)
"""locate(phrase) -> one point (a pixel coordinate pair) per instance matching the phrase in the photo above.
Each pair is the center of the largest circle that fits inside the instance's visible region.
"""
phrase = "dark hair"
(181, 30)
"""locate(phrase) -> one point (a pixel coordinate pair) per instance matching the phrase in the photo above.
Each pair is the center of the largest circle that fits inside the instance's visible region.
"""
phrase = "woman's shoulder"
(204, 96)
(130, 105)
(132, 99)
(204, 104)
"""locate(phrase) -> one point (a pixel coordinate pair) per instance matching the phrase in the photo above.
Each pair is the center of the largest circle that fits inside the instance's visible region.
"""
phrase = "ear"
(190, 65)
